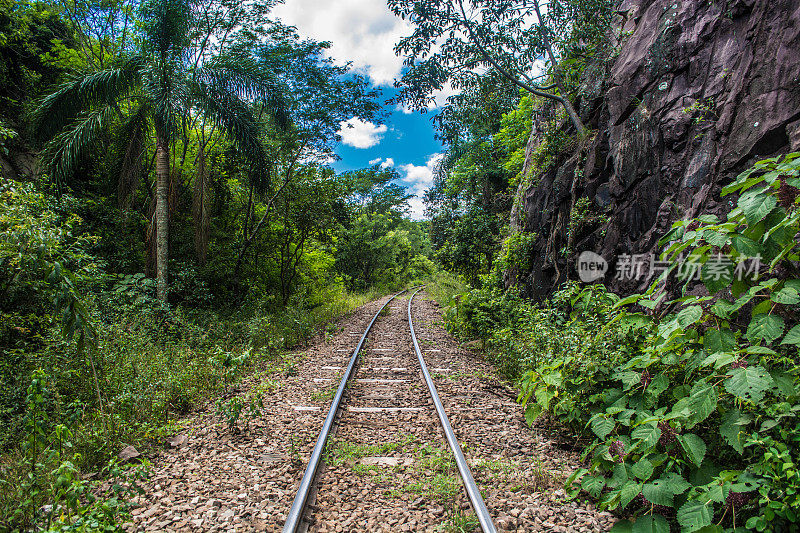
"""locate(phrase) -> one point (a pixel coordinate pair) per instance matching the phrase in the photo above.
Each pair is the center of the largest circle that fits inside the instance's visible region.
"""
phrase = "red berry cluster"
(740, 363)
(667, 433)
(645, 378)
(737, 500)
(787, 194)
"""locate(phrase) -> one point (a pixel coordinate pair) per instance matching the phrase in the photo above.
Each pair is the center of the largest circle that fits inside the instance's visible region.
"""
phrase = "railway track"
(391, 387)
(387, 466)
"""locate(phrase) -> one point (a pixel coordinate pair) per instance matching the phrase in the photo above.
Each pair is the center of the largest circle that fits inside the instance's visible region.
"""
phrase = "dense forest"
(171, 222)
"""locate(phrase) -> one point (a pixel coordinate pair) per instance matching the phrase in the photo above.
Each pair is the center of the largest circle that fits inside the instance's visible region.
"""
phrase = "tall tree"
(153, 91)
(458, 41)
(321, 95)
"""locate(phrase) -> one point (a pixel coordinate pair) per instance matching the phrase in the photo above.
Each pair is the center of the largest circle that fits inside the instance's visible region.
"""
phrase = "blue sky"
(364, 32)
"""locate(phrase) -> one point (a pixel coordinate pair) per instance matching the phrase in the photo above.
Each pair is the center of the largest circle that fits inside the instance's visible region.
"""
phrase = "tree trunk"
(162, 217)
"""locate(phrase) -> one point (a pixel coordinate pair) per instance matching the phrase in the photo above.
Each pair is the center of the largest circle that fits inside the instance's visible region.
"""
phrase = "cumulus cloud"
(362, 31)
(418, 179)
(375, 161)
(388, 162)
(361, 134)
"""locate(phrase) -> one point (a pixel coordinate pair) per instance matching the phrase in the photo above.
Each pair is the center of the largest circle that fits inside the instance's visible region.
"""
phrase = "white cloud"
(362, 31)
(375, 161)
(439, 99)
(418, 179)
(389, 162)
(417, 208)
(361, 134)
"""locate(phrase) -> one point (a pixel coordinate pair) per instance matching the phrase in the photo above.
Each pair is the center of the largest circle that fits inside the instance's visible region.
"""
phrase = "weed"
(460, 522)
(325, 394)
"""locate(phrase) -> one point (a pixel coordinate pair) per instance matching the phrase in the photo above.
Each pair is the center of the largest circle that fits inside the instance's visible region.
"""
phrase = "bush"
(699, 423)
(688, 406)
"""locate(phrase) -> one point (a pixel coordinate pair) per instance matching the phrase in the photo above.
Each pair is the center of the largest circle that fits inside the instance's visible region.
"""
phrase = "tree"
(152, 92)
(320, 96)
(457, 41)
(375, 190)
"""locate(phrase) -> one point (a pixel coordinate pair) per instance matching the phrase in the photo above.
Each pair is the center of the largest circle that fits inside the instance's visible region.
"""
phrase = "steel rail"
(295, 516)
(475, 498)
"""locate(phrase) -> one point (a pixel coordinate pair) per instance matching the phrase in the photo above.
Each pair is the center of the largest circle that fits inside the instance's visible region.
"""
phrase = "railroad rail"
(295, 518)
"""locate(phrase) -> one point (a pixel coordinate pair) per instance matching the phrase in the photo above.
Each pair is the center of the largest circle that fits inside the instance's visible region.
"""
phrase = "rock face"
(698, 92)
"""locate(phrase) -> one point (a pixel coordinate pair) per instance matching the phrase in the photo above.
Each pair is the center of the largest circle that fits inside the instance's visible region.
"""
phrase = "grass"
(461, 522)
(154, 366)
(444, 286)
(433, 467)
(325, 394)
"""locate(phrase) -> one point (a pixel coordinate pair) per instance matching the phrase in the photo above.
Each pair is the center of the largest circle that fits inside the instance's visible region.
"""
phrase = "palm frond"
(246, 78)
(82, 92)
(134, 136)
(66, 150)
(234, 117)
(167, 92)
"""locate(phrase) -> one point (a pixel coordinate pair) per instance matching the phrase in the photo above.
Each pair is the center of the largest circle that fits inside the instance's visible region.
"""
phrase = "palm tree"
(154, 91)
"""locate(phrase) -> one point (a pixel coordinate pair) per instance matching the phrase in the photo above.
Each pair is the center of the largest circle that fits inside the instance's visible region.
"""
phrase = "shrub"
(699, 424)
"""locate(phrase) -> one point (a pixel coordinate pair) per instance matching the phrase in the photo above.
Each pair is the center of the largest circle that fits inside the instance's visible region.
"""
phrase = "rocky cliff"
(698, 91)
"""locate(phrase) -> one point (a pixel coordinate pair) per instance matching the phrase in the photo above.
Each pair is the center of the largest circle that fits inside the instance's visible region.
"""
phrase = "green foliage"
(45, 487)
(515, 129)
(517, 252)
(375, 250)
(465, 43)
(688, 407)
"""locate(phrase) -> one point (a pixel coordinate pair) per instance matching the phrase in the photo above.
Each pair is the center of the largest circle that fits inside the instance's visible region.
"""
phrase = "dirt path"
(389, 468)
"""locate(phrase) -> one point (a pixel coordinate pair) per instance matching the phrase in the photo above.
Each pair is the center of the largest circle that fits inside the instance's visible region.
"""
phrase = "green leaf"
(746, 247)
(749, 383)
(688, 316)
(719, 340)
(629, 491)
(628, 378)
(693, 515)
(532, 412)
(786, 296)
(659, 492)
(764, 327)
(543, 396)
(643, 469)
(694, 447)
(723, 308)
(659, 384)
(651, 524)
(602, 426)
(756, 205)
(648, 434)
(700, 403)
(677, 484)
(633, 298)
(784, 382)
(793, 337)
(718, 359)
(619, 477)
(622, 526)
(593, 485)
(732, 431)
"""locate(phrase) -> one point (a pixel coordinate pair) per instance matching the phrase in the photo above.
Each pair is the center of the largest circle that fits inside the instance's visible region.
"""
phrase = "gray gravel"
(389, 470)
